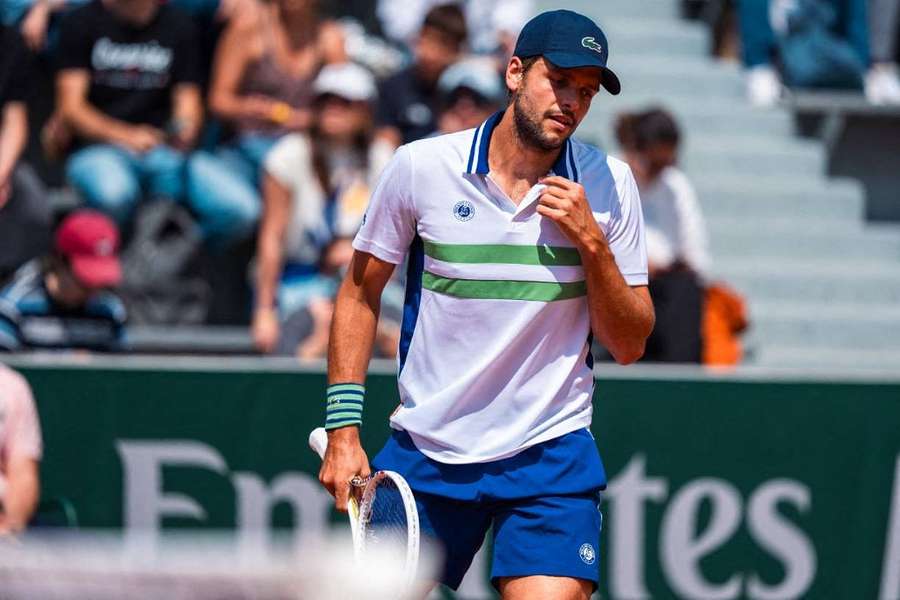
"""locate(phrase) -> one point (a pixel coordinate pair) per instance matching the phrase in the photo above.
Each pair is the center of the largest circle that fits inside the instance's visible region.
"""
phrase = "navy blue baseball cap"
(568, 40)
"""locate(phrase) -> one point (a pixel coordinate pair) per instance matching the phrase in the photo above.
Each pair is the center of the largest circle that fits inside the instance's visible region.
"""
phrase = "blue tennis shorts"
(542, 504)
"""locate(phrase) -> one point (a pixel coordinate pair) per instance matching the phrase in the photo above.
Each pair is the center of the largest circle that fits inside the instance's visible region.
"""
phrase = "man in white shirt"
(20, 452)
(521, 245)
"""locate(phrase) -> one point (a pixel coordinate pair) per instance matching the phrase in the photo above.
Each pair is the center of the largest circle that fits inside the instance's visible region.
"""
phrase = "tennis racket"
(382, 511)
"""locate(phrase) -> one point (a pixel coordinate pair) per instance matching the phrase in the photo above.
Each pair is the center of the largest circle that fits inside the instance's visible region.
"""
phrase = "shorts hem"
(595, 581)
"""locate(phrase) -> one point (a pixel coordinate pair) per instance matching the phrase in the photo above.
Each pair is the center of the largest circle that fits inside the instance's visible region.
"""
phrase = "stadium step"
(828, 326)
(761, 238)
(822, 284)
(747, 195)
(827, 358)
(824, 280)
(643, 35)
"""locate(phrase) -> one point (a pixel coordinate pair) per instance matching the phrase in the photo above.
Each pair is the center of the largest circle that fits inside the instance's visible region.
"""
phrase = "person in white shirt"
(677, 240)
(521, 244)
(20, 453)
(315, 191)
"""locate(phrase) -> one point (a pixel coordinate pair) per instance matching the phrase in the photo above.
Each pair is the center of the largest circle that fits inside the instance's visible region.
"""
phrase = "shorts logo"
(592, 44)
(587, 554)
(464, 210)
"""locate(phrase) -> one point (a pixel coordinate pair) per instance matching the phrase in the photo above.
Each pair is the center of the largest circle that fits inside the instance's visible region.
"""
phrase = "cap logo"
(591, 44)
(104, 248)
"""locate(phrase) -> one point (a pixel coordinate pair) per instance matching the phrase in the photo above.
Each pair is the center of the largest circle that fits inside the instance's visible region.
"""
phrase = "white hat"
(346, 80)
(476, 74)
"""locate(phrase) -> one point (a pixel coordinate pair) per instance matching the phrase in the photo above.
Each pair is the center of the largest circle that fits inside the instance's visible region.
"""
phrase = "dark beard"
(529, 130)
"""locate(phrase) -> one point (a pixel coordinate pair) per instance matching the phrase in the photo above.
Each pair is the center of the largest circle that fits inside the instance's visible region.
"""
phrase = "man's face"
(434, 51)
(548, 102)
(69, 290)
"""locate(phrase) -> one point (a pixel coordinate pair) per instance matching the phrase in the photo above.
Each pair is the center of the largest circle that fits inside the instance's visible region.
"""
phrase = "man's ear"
(515, 73)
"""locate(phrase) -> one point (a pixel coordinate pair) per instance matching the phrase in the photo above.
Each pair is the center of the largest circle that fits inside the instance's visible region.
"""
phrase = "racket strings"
(387, 523)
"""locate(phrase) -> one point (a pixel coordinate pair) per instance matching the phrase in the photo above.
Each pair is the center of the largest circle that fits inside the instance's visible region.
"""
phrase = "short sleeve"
(287, 159)
(389, 225)
(386, 107)
(9, 325)
(186, 67)
(18, 78)
(23, 429)
(625, 233)
(75, 41)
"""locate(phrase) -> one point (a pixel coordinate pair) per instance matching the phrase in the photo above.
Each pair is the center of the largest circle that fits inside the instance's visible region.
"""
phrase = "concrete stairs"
(822, 284)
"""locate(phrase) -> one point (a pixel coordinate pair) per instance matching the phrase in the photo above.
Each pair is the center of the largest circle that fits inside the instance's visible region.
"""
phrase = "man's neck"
(134, 12)
(510, 158)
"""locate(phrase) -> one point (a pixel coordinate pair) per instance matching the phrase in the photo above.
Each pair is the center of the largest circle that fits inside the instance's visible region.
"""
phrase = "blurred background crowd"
(197, 163)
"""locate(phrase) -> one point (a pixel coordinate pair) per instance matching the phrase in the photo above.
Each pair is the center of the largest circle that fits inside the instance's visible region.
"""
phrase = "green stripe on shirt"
(491, 289)
(560, 256)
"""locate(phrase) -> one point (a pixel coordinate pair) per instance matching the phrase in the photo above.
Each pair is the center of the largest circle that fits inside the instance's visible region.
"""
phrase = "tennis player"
(521, 245)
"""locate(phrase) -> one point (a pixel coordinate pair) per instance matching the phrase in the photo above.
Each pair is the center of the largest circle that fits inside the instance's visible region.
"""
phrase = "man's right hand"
(344, 460)
(142, 138)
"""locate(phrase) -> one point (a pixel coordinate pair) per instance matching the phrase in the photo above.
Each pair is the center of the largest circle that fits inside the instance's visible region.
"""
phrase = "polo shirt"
(494, 352)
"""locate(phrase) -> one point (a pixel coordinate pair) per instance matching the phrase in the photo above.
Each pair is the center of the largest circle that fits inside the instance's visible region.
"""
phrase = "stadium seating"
(823, 285)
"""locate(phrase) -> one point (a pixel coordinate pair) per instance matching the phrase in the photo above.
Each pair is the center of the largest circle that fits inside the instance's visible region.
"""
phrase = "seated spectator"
(261, 88)
(471, 91)
(37, 20)
(819, 44)
(128, 90)
(409, 100)
(677, 246)
(20, 453)
(25, 214)
(64, 300)
(882, 84)
(493, 25)
(315, 190)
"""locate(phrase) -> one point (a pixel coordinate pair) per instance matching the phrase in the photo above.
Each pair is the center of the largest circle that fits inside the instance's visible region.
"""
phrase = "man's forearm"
(13, 137)
(352, 336)
(621, 317)
(23, 491)
(90, 123)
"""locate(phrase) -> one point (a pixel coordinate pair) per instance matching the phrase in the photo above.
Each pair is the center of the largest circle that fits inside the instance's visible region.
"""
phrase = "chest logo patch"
(464, 210)
(587, 554)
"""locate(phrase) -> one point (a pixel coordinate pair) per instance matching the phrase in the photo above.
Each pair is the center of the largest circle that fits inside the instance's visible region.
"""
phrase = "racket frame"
(366, 503)
(359, 508)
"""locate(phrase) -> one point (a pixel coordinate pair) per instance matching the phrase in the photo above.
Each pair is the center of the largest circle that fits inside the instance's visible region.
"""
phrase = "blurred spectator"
(471, 91)
(882, 83)
(20, 453)
(25, 215)
(63, 301)
(127, 90)
(409, 100)
(677, 253)
(262, 88)
(38, 20)
(820, 44)
(493, 25)
(315, 190)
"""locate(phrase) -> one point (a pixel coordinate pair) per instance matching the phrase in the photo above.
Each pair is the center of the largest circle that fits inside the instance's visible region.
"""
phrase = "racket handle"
(318, 441)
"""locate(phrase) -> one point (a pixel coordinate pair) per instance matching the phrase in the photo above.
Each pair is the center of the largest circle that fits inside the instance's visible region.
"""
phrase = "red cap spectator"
(89, 241)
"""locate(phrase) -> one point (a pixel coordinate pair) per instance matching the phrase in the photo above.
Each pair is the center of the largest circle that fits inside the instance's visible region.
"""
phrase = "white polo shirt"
(494, 352)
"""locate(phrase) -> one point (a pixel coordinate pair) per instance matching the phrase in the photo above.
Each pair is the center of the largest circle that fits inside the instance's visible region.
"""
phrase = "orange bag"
(724, 318)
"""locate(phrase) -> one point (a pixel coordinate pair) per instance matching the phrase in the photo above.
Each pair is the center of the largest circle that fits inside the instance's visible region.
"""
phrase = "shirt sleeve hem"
(636, 278)
(391, 256)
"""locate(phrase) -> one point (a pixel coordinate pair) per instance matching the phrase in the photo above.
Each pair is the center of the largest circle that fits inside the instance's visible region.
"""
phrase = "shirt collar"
(566, 164)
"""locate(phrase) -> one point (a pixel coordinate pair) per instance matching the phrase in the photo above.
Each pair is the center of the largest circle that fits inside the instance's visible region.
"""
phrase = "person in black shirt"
(409, 101)
(128, 90)
(25, 216)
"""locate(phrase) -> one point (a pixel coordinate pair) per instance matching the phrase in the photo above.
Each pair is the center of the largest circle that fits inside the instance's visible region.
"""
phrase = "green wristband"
(344, 405)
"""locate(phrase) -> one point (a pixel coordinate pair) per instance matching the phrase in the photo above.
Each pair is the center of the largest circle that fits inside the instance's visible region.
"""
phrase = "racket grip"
(318, 441)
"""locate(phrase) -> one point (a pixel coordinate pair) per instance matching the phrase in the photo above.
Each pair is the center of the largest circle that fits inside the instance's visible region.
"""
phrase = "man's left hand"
(565, 203)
